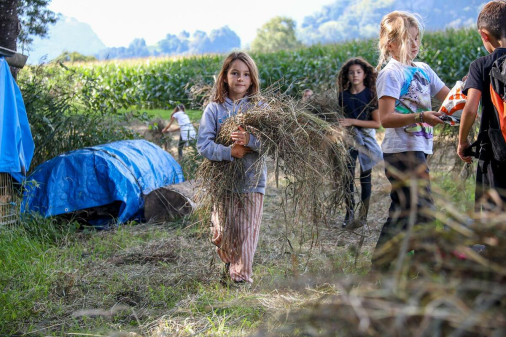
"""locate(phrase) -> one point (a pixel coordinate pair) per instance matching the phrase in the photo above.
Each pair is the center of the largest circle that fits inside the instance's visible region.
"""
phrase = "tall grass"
(29, 262)
(70, 111)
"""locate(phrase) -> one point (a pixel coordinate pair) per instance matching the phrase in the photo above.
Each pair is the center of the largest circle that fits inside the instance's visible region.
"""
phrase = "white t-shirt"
(185, 125)
(412, 87)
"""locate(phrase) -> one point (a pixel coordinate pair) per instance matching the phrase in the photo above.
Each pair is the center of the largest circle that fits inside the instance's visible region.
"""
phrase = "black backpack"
(497, 123)
(497, 127)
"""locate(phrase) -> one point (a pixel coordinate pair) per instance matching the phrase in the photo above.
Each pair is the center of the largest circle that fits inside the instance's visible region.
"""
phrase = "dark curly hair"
(343, 83)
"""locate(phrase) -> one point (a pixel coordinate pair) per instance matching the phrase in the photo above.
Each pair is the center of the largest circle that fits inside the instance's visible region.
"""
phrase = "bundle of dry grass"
(449, 287)
(325, 105)
(309, 152)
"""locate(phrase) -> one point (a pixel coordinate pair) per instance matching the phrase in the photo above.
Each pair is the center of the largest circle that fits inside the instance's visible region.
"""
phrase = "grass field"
(194, 115)
(157, 280)
(164, 114)
(164, 279)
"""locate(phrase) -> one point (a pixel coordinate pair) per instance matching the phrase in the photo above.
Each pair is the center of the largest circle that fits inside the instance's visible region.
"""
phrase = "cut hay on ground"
(449, 287)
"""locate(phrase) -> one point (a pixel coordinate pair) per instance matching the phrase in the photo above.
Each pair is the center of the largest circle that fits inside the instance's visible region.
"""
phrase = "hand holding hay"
(240, 137)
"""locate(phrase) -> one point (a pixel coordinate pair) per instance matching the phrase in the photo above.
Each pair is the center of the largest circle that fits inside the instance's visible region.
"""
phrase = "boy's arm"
(467, 120)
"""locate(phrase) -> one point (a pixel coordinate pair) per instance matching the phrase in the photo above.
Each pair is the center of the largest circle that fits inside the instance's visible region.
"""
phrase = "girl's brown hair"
(343, 83)
(220, 91)
(395, 27)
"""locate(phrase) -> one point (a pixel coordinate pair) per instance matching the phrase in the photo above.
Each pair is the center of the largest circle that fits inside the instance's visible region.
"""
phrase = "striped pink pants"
(247, 216)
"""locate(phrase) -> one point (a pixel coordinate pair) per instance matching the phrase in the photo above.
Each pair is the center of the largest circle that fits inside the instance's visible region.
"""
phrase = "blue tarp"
(121, 172)
(16, 142)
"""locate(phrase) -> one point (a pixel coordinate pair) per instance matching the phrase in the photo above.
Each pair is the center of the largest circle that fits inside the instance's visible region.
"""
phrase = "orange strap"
(500, 106)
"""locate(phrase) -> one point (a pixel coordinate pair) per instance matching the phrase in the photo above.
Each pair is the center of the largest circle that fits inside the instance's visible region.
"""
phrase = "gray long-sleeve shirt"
(214, 115)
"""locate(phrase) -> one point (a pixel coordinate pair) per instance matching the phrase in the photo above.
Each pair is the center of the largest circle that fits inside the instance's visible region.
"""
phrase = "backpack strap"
(476, 144)
(497, 80)
(498, 88)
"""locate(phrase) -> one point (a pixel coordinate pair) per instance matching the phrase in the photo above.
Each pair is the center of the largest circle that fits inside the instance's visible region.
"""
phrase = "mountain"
(356, 19)
(220, 40)
(67, 34)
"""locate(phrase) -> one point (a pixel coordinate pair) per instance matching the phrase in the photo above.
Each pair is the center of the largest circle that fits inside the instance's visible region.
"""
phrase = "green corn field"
(159, 83)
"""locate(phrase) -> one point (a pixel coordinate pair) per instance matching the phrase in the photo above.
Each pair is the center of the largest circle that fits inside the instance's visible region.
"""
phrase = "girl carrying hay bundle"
(356, 83)
(236, 221)
(404, 90)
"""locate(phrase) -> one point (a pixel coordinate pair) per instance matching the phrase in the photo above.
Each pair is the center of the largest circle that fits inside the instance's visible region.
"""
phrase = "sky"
(118, 22)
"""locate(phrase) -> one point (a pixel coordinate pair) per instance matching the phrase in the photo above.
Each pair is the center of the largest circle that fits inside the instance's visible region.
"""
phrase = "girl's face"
(238, 80)
(356, 75)
(413, 44)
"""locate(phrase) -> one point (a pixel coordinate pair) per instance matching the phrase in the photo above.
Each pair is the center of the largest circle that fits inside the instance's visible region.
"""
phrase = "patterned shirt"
(412, 87)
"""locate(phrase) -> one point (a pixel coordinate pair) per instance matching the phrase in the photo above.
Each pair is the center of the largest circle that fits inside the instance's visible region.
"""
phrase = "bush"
(69, 111)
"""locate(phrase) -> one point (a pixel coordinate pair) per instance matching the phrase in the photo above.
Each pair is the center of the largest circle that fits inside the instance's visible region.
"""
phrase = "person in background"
(187, 131)
(306, 95)
(356, 83)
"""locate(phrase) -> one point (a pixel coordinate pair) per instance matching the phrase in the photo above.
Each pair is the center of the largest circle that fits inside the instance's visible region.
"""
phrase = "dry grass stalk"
(325, 105)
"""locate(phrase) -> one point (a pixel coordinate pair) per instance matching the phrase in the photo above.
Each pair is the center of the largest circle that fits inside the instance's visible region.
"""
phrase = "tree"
(276, 34)
(224, 40)
(9, 29)
(21, 20)
(74, 57)
(200, 44)
(173, 45)
(34, 18)
(138, 48)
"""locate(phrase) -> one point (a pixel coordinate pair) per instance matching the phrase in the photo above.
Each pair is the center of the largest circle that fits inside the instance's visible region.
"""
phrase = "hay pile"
(325, 105)
(449, 287)
(306, 150)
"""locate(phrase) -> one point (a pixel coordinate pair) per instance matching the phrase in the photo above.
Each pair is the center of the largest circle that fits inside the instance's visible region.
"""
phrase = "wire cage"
(9, 200)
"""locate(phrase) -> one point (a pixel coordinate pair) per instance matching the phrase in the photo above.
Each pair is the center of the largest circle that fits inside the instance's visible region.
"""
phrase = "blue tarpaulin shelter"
(119, 173)
(16, 142)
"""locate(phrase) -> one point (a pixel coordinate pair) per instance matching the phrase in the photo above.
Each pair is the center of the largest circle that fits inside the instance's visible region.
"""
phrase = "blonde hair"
(395, 27)
(220, 91)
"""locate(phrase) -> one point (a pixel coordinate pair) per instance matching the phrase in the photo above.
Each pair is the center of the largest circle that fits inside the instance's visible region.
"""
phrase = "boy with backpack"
(486, 81)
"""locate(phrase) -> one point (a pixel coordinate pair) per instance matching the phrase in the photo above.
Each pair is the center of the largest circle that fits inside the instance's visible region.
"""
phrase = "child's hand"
(165, 129)
(346, 121)
(460, 151)
(240, 137)
(239, 151)
(432, 118)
